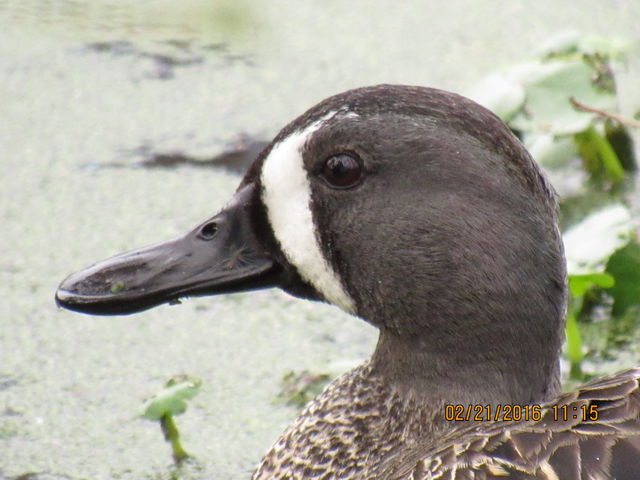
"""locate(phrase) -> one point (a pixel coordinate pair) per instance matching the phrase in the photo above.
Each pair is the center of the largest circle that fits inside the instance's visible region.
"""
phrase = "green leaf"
(500, 94)
(548, 87)
(610, 47)
(598, 155)
(578, 286)
(298, 388)
(622, 143)
(574, 345)
(580, 283)
(171, 400)
(571, 42)
(549, 150)
(562, 43)
(591, 242)
(529, 73)
(624, 265)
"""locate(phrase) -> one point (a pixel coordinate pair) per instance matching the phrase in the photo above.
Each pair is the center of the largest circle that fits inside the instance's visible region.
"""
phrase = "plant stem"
(574, 344)
(172, 435)
(603, 113)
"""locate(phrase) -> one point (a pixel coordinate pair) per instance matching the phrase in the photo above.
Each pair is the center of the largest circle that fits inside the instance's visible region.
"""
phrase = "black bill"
(221, 255)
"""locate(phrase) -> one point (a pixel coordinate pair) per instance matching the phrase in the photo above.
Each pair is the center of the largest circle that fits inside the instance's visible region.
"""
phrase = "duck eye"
(342, 171)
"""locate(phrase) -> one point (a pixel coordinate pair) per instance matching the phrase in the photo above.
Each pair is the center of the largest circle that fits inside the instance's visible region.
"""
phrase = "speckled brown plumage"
(358, 428)
(358, 417)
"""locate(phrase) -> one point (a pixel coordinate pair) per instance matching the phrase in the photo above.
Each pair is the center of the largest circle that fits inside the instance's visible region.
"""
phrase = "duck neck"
(494, 366)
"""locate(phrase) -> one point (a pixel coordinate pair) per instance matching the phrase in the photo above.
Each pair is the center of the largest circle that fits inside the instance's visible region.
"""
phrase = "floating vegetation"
(168, 402)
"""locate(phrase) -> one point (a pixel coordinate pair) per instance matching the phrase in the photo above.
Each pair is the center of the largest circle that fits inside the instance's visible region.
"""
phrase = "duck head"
(413, 208)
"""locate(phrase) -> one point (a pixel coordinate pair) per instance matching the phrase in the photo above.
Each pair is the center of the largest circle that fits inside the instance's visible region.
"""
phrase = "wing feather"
(553, 448)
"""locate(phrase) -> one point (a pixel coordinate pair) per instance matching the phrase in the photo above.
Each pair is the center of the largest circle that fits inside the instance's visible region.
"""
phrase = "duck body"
(351, 430)
(418, 211)
(360, 427)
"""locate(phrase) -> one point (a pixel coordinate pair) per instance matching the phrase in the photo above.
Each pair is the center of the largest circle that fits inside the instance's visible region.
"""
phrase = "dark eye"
(342, 171)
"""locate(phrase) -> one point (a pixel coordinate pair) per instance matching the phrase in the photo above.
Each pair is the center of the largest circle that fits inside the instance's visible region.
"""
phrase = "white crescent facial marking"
(286, 193)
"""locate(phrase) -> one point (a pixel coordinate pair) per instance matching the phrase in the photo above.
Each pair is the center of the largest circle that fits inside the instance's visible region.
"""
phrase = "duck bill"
(221, 255)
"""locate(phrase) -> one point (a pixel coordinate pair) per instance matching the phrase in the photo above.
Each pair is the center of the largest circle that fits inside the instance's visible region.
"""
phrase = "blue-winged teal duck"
(418, 211)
